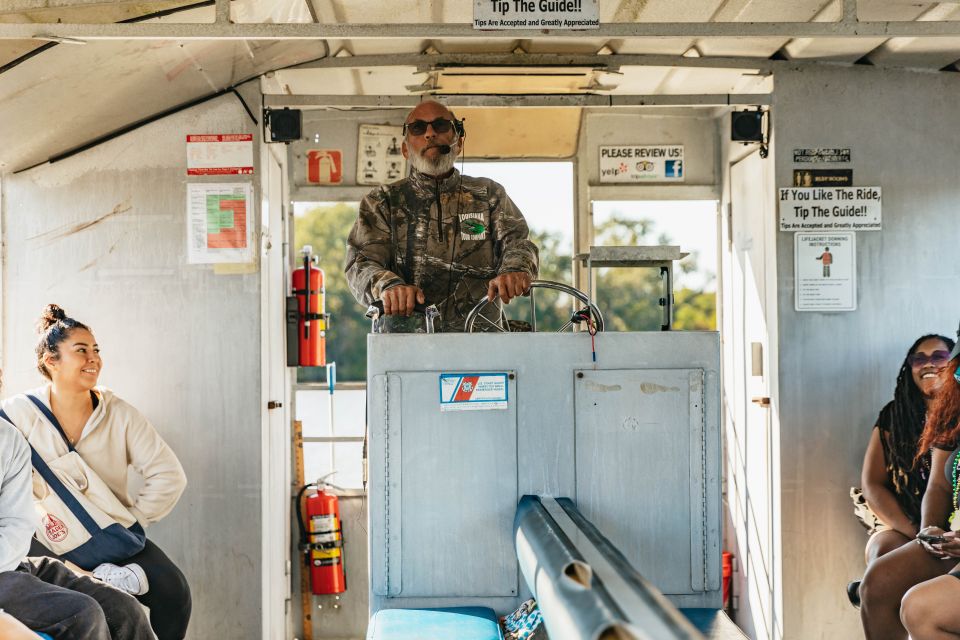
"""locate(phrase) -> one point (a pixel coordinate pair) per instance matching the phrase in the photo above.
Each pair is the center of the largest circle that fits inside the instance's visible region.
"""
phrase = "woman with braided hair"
(929, 610)
(894, 477)
(907, 590)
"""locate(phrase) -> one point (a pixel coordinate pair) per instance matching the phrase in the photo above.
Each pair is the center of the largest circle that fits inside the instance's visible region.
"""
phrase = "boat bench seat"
(462, 623)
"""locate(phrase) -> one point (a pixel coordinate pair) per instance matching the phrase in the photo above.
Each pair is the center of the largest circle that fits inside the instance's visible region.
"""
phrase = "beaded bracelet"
(956, 488)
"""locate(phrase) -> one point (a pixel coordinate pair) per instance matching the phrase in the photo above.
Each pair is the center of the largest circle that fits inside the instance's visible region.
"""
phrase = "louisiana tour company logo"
(55, 529)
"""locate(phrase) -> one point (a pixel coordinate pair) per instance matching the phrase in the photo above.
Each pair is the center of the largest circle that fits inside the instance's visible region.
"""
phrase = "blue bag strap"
(52, 418)
(58, 487)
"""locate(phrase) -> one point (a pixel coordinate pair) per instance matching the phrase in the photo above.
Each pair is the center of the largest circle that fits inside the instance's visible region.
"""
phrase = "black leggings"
(169, 596)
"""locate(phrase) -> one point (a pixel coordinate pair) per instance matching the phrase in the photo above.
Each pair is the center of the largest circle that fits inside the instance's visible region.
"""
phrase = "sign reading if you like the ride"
(641, 163)
(830, 208)
(473, 391)
(536, 14)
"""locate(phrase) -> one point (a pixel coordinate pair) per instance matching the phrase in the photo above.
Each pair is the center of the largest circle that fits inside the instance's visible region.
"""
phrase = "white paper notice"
(379, 159)
(219, 225)
(220, 154)
(830, 208)
(536, 14)
(825, 271)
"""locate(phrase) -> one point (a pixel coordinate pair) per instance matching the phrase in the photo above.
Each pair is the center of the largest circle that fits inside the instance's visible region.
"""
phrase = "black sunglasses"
(419, 127)
(937, 358)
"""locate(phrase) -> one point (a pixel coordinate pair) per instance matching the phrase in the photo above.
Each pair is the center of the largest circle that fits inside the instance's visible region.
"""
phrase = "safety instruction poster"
(473, 391)
(830, 208)
(220, 154)
(633, 163)
(825, 271)
(219, 225)
(379, 157)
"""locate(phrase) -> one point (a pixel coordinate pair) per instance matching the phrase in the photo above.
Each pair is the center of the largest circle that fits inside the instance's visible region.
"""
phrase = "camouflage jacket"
(448, 236)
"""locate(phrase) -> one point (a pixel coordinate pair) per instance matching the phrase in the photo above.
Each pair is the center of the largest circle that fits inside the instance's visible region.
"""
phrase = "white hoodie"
(18, 519)
(116, 436)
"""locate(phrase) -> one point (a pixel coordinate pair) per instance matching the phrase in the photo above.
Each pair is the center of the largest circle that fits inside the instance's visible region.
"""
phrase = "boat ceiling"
(75, 71)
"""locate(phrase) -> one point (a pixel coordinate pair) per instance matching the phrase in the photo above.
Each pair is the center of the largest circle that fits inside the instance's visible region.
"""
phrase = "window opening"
(543, 191)
(629, 298)
(333, 440)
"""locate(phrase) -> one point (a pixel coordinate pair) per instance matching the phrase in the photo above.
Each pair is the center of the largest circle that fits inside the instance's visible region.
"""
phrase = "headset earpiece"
(458, 127)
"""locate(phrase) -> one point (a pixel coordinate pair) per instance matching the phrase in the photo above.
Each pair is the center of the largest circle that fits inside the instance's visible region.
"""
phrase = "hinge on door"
(274, 404)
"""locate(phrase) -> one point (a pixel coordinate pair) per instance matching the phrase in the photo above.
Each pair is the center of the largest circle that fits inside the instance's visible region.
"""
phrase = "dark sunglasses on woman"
(938, 358)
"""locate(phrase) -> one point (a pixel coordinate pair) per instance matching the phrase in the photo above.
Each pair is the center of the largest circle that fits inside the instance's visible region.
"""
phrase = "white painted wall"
(180, 342)
(838, 369)
(751, 431)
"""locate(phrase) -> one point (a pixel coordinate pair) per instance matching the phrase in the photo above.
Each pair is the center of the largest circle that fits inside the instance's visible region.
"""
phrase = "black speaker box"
(285, 124)
(746, 126)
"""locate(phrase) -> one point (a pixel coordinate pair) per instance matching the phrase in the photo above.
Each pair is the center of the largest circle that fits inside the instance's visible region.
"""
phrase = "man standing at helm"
(437, 235)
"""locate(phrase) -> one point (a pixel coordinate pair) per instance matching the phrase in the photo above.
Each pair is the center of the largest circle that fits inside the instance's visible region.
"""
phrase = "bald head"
(430, 151)
(429, 110)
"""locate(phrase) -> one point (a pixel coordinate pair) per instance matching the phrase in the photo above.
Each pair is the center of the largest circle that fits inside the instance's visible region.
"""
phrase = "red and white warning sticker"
(473, 391)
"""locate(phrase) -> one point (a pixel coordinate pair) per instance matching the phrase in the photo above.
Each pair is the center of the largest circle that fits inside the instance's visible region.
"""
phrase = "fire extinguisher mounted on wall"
(307, 319)
(321, 539)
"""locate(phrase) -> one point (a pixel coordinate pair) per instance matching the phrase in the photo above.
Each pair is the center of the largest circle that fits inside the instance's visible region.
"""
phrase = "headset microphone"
(443, 149)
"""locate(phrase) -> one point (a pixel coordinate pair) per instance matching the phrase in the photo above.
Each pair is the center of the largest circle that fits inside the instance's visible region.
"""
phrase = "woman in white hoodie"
(110, 436)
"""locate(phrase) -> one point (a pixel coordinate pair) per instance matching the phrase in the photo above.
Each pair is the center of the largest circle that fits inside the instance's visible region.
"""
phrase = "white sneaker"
(129, 578)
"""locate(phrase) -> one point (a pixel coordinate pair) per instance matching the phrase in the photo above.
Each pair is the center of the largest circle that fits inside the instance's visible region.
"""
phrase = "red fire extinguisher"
(321, 540)
(311, 317)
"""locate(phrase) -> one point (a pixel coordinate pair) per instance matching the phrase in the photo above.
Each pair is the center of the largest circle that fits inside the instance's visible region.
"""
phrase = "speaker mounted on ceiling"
(751, 126)
(286, 125)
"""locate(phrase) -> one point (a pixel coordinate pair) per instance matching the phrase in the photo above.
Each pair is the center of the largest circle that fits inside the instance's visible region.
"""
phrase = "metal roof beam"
(427, 31)
(29, 6)
(491, 100)
(222, 12)
(429, 62)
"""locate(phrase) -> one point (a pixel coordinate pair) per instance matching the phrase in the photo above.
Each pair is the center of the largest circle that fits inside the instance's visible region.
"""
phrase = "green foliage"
(628, 298)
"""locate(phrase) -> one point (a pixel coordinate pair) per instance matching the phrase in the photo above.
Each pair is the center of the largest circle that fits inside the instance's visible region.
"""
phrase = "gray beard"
(438, 167)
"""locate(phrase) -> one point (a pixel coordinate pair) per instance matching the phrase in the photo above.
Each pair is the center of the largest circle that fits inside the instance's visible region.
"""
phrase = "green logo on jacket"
(473, 226)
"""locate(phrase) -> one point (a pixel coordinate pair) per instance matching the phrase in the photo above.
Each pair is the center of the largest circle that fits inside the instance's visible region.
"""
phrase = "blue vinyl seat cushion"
(714, 624)
(462, 623)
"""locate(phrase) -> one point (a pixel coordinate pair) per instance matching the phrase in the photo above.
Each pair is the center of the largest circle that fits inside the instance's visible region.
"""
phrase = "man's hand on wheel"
(508, 286)
(399, 300)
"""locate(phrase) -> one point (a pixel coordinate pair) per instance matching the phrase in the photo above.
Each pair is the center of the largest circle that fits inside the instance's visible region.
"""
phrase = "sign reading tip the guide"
(536, 14)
